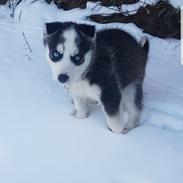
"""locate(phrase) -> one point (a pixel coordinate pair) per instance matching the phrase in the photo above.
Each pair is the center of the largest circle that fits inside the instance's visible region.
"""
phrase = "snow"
(41, 142)
(176, 3)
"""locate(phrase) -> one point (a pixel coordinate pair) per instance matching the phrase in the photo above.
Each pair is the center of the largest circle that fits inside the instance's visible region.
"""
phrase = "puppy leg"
(132, 96)
(81, 107)
(115, 122)
(113, 108)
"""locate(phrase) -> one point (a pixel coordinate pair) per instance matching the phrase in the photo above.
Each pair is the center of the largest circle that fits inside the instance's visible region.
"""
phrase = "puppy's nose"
(63, 78)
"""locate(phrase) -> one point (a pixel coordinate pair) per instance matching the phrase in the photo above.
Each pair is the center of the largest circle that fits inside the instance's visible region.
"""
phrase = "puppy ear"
(51, 28)
(89, 30)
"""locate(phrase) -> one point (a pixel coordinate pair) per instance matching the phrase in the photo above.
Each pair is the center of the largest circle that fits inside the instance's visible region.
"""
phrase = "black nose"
(63, 78)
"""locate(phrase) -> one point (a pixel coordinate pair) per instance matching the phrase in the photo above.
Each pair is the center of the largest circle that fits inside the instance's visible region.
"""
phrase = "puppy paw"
(128, 127)
(125, 130)
(79, 115)
(115, 130)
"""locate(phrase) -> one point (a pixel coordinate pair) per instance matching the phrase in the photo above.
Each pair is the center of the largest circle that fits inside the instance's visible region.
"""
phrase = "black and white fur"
(110, 71)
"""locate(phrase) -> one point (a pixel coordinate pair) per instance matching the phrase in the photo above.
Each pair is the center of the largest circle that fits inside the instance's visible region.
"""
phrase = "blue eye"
(55, 56)
(77, 59)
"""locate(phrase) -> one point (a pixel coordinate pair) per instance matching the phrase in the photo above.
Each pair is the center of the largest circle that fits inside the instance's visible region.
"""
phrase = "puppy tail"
(144, 42)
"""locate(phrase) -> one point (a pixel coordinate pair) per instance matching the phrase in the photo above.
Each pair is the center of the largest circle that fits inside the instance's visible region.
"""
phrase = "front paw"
(115, 127)
(129, 127)
(79, 115)
(115, 130)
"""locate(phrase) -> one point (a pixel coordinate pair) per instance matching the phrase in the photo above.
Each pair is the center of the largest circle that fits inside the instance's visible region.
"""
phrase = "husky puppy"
(107, 66)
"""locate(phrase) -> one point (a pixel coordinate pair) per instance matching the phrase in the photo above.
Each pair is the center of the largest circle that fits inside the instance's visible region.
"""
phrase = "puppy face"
(68, 49)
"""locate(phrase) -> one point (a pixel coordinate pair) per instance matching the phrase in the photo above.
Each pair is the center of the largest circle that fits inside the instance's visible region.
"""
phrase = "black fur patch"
(119, 61)
(52, 27)
(139, 96)
(87, 29)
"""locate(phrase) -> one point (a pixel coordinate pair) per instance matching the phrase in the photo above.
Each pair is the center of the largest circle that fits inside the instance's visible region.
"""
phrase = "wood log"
(70, 4)
(161, 20)
(117, 2)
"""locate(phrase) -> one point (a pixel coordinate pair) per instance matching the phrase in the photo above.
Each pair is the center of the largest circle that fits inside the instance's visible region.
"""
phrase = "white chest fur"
(84, 90)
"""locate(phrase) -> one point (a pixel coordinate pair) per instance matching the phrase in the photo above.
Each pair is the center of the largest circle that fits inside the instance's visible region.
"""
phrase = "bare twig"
(20, 15)
(119, 8)
(28, 45)
(34, 1)
(177, 46)
(93, 8)
(144, 3)
(29, 58)
(18, 2)
(99, 4)
(12, 5)
(9, 4)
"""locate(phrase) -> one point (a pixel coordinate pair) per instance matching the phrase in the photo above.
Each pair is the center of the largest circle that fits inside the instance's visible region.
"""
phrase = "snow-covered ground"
(41, 143)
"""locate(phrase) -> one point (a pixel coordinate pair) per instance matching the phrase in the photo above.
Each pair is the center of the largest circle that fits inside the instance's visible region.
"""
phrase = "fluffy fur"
(106, 66)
